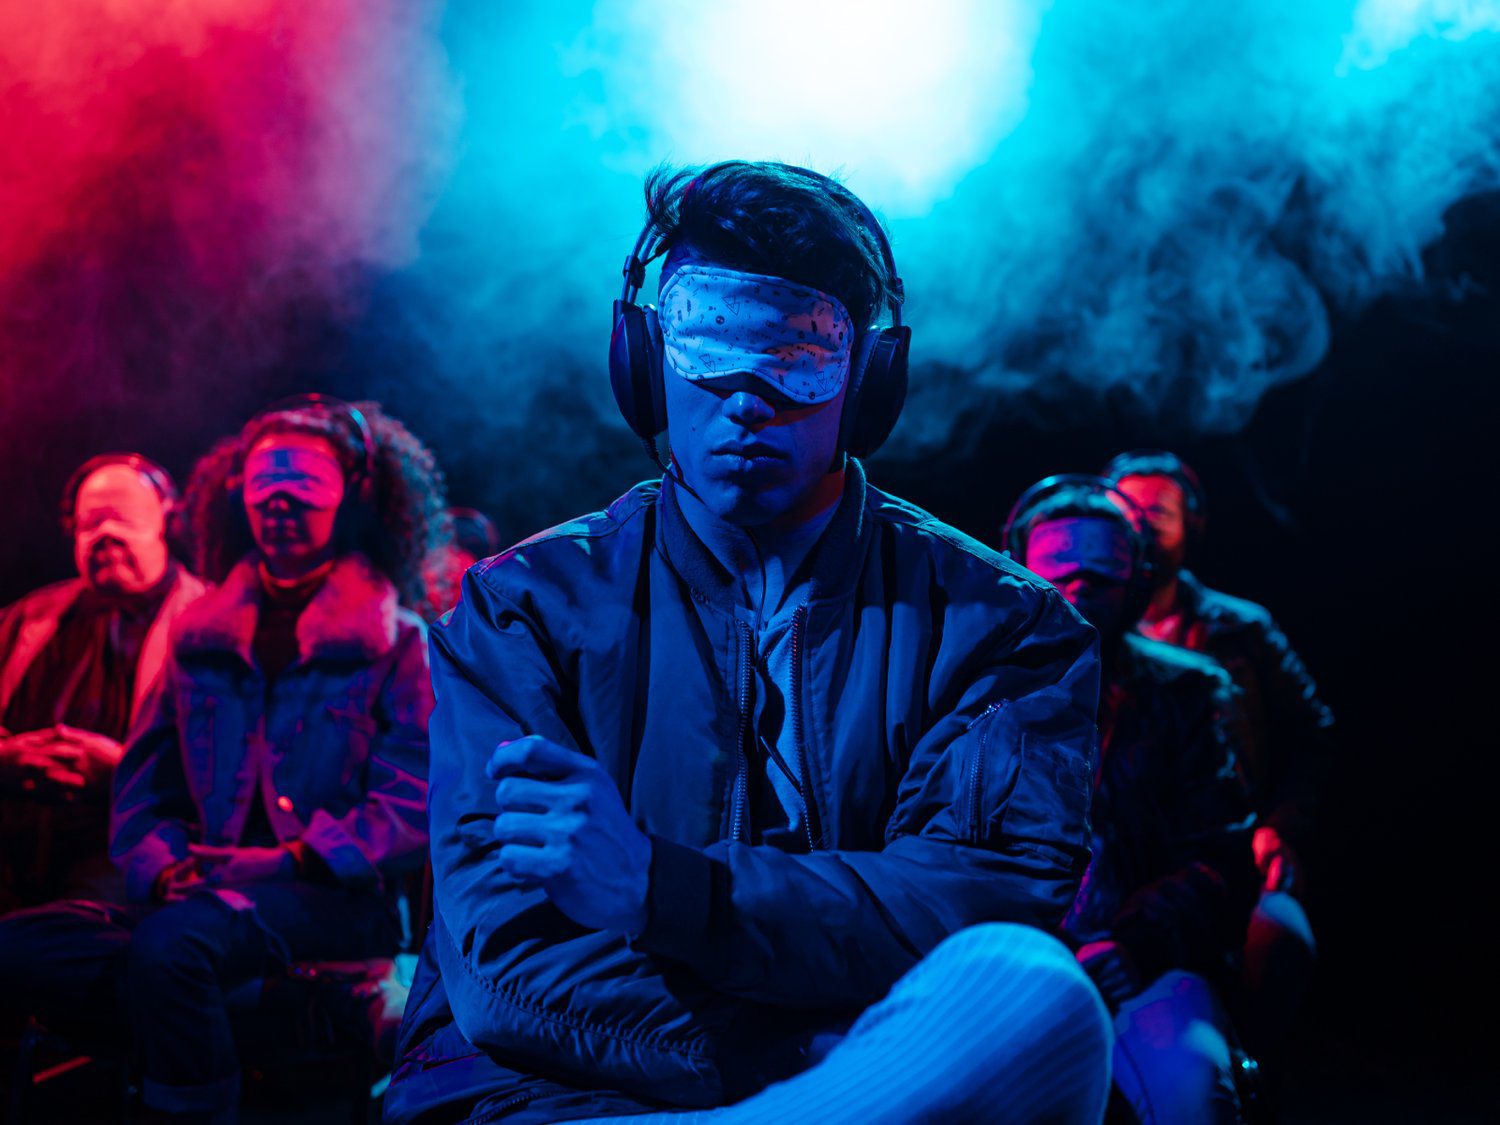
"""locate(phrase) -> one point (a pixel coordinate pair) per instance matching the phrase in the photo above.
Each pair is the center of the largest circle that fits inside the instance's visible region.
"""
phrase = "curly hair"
(402, 522)
(776, 219)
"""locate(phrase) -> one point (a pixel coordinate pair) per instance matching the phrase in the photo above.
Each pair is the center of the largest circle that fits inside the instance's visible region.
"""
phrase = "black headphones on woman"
(877, 370)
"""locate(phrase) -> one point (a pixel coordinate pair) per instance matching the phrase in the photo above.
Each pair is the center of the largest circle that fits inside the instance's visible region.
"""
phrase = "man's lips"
(749, 451)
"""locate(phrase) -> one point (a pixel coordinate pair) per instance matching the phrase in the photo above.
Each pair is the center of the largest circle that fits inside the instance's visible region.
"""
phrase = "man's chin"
(742, 502)
(115, 586)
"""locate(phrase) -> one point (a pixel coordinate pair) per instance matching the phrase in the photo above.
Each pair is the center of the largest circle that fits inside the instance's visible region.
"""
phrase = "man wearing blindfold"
(1288, 743)
(729, 778)
(1171, 881)
(76, 661)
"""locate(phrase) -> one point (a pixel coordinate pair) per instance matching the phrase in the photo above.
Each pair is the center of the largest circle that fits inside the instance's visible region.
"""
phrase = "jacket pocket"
(1030, 778)
(989, 774)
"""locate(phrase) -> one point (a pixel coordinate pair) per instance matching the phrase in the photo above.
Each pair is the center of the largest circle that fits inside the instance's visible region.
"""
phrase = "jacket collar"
(1189, 595)
(352, 616)
(834, 568)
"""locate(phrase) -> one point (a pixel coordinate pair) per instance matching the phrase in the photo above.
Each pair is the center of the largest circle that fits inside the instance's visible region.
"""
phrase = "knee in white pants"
(1020, 994)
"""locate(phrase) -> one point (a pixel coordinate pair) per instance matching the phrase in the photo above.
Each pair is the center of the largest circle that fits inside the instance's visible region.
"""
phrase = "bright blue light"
(903, 98)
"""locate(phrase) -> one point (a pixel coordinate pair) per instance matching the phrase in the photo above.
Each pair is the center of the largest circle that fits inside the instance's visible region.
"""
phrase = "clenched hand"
(563, 827)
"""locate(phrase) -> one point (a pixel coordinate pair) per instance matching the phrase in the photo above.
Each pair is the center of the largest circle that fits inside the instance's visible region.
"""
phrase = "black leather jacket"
(1285, 741)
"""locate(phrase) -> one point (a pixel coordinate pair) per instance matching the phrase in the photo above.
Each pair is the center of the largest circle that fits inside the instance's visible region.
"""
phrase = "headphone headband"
(648, 247)
(1131, 515)
(329, 404)
(1125, 464)
(160, 479)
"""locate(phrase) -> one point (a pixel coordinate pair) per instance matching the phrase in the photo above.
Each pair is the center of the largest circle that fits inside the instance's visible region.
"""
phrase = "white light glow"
(902, 98)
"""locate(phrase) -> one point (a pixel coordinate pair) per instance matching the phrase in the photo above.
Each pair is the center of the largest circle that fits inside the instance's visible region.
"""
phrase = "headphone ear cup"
(880, 391)
(635, 369)
(655, 374)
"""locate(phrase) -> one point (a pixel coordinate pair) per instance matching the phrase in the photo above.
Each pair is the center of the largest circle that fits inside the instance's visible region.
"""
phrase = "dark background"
(1356, 505)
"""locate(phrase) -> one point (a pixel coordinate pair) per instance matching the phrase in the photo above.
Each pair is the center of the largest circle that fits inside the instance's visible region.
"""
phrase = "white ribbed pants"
(997, 1024)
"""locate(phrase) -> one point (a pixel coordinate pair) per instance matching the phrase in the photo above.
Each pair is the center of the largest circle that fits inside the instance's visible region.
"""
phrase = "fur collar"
(353, 614)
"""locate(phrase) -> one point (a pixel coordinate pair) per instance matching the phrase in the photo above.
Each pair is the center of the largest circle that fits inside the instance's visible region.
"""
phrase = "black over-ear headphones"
(877, 369)
(362, 477)
(1164, 463)
(1015, 534)
(160, 479)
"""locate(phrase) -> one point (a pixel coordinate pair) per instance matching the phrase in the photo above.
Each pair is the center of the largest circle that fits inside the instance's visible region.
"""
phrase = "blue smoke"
(1169, 203)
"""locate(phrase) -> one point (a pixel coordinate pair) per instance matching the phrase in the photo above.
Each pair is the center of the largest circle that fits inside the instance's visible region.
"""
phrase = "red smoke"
(177, 179)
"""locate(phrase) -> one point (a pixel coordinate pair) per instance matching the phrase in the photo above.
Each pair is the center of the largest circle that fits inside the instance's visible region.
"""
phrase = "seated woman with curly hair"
(276, 779)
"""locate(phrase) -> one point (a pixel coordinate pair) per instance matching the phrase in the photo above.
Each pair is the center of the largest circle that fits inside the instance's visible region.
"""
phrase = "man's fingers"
(95, 745)
(529, 863)
(522, 828)
(534, 756)
(47, 754)
(527, 794)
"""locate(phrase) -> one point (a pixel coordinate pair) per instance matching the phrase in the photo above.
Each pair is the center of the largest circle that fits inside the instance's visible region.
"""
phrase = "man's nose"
(748, 409)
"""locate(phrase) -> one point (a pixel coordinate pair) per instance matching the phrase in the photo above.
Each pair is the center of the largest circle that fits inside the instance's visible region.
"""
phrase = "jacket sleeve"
(990, 824)
(390, 825)
(524, 982)
(1194, 915)
(1298, 733)
(152, 814)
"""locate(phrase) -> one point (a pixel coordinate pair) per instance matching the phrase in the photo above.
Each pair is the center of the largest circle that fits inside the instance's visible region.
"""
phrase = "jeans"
(1172, 1054)
(164, 971)
(1279, 956)
(997, 1024)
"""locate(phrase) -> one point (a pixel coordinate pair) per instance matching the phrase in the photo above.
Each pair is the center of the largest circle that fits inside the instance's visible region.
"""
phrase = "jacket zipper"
(976, 771)
(804, 789)
(741, 759)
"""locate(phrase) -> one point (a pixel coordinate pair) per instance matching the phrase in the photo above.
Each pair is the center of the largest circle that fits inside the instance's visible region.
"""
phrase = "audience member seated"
(76, 660)
(275, 783)
(1171, 882)
(754, 795)
(1285, 737)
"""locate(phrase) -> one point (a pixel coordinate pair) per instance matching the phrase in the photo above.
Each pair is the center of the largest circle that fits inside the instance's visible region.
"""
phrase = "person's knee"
(1030, 982)
(1280, 925)
(174, 944)
(1005, 951)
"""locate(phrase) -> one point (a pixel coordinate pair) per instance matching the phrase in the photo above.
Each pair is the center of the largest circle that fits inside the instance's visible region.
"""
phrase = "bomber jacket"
(1172, 877)
(335, 747)
(1286, 732)
(943, 707)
